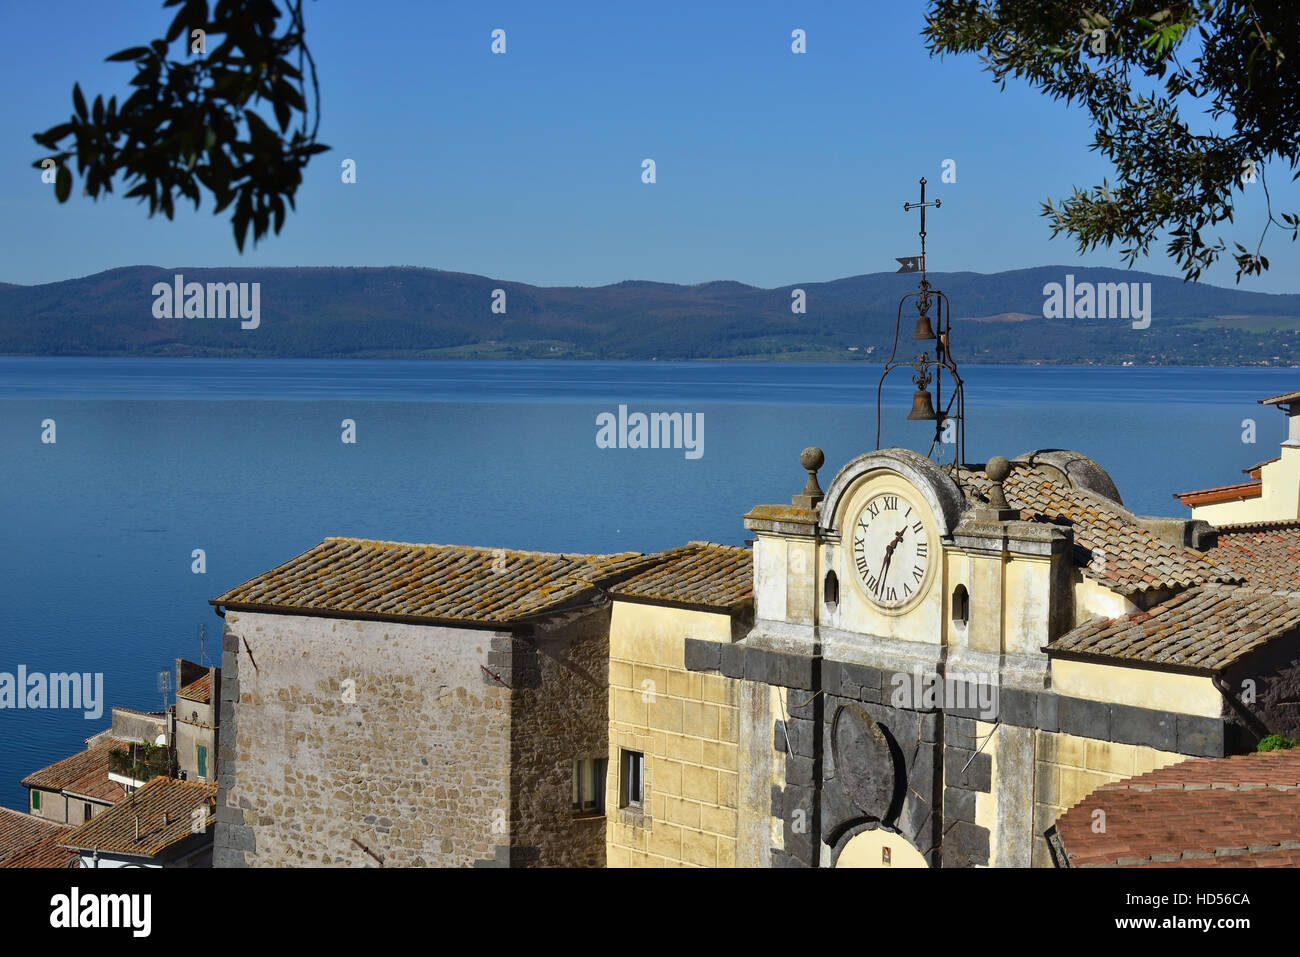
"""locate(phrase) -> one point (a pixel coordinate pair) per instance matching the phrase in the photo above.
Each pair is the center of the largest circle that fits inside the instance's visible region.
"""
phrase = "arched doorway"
(877, 847)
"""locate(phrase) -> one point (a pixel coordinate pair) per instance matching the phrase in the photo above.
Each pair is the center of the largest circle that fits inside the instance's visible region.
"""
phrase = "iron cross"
(908, 207)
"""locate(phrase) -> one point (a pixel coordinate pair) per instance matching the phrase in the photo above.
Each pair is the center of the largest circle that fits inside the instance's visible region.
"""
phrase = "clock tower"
(922, 598)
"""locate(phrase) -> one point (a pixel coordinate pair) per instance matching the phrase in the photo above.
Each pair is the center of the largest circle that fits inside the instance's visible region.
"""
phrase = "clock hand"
(889, 555)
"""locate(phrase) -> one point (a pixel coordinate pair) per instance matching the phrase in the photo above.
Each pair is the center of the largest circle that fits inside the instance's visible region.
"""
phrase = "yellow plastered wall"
(986, 802)
(1092, 600)
(1139, 687)
(1068, 768)
(1279, 498)
(865, 850)
(687, 726)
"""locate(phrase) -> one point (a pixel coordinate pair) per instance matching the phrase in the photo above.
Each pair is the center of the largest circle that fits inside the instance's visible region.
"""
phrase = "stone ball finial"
(997, 469)
(811, 458)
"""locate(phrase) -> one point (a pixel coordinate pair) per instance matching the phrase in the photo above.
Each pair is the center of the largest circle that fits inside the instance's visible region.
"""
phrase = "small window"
(831, 590)
(36, 800)
(589, 785)
(86, 812)
(202, 761)
(960, 606)
(631, 779)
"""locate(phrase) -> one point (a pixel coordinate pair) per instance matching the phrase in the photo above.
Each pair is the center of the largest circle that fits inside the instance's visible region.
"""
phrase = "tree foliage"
(1142, 72)
(191, 125)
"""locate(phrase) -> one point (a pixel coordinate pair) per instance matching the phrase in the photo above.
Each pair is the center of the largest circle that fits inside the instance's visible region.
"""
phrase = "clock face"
(892, 550)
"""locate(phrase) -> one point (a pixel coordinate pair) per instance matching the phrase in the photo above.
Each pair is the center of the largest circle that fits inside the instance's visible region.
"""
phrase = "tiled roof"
(1242, 811)
(1135, 559)
(198, 690)
(46, 854)
(82, 768)
(96, 785)
(164, 809)
(1254, 470)
(1221, 493)
(1206, 628)
(28, 841)
(1282, 399)
(1266, 553)
(699, 573)
(451, 583)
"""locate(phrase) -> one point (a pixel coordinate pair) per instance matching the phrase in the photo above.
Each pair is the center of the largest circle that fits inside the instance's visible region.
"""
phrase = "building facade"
(921, 666)
(387, 704)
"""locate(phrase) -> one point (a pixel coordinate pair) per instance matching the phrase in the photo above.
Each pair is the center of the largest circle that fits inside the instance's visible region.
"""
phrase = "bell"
(923, 328)
(922, 404)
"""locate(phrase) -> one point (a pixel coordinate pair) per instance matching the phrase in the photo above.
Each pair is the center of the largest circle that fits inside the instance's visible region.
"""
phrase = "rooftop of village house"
(460, 584)
(200, 689)
(158, 815)
(1241, 811)
(84, 774)
(29, 841)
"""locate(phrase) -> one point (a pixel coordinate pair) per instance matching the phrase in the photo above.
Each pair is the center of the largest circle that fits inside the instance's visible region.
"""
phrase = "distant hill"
(411, 312)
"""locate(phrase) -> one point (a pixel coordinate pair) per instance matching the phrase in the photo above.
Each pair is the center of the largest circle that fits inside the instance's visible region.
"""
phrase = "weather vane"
(950, 422)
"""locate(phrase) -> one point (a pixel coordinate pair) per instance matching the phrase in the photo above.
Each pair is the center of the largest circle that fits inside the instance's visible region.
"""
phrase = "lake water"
(154, 458)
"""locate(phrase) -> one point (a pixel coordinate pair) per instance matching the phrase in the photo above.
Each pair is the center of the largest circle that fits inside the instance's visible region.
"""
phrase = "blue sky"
(772, 168)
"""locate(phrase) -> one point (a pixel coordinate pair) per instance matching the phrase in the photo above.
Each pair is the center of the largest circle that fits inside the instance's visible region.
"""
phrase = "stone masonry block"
(1142, 726)
(1201, 737)
(1086, 719)
(703, 655)
(732, 660)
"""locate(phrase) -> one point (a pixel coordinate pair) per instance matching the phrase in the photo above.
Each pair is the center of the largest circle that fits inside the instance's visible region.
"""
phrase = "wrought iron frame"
(923, 364)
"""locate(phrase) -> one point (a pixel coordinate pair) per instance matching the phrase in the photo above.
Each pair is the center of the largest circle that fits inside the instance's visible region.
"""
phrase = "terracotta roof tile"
(199, 689)
(700, 573)
(29, 841)
(1254, 470)
(1282, 399)
(454, 583)
(1267, 554)
(1221, 493)
(164, 809)
(1135, 559)
(85, 772)
(1242, 811)
(1208, 627)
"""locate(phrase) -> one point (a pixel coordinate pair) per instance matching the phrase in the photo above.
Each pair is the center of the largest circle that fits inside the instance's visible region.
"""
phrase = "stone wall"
(347, 739)
(1266, 689)
(560, 713)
